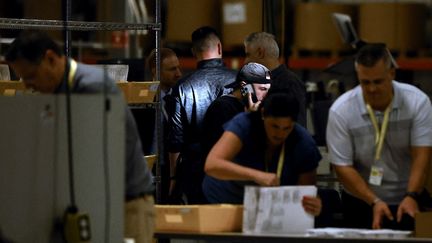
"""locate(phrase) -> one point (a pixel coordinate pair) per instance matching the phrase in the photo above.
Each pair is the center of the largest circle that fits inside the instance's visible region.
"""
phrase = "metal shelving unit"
(68, 25)
(9, 23)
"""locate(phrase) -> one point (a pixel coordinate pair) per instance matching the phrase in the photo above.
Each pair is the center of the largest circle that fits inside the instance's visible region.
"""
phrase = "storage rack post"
(14, 23)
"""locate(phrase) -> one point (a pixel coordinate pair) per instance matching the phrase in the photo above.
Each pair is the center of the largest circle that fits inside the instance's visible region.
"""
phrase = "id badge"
(376, 175)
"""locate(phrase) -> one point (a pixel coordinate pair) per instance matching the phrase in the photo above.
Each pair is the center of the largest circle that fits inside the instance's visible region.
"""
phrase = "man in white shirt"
(379, 137)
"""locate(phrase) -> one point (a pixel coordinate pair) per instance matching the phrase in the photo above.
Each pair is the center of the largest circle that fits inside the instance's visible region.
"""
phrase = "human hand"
(253, 106)
(267, 179)
(380, 210)
(408, 206)
(312, 205)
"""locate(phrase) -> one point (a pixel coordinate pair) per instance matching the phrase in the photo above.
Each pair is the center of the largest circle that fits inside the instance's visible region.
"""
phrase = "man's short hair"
(164, 53)
(31, 45)
(204, 39)
(264, 40)
(370, 54)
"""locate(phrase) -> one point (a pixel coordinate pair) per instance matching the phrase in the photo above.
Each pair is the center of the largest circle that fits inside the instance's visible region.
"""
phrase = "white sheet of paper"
(277, 210)
(359, 233)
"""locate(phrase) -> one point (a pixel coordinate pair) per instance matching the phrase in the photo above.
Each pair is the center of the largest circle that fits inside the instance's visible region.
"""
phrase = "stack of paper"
(277, 210)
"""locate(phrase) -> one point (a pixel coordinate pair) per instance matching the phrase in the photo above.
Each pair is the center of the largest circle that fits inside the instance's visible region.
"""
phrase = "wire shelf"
(10, 23)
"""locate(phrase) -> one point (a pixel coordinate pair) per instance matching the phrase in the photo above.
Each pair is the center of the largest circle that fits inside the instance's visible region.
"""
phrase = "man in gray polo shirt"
(379, 137)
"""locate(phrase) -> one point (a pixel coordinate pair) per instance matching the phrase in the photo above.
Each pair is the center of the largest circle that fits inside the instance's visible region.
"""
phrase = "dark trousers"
(190, 184)
(331, 211)
(359, 214)
(189, 178)
(164, 182)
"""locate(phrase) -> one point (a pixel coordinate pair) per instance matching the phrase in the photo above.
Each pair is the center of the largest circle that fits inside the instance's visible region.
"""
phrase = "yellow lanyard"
(280, 162)
(379, 133)
(72, 70)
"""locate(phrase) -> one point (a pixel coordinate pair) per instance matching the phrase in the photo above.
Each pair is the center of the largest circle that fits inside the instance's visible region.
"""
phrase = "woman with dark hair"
(265, 148)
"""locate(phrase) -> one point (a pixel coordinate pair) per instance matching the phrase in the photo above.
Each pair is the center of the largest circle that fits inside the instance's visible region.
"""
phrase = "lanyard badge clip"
(377, 170)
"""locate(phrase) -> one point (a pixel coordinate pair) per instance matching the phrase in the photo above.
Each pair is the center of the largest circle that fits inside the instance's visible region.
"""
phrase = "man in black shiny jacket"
(193, 94)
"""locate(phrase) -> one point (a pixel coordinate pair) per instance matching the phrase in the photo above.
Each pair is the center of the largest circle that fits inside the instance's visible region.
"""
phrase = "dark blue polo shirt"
(301, 155)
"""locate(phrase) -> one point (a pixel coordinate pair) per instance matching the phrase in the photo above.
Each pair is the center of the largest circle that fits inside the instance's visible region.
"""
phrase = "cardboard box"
(33, 9)
(199, 218)
(400, 25)
(239, 19)
(11, 88)
(314, 29)
(183, 17)
(423, 222)
(139, 92)
(151, 160)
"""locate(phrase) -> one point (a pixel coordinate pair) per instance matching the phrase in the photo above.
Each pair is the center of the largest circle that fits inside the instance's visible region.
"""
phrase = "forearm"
(420, 164)
(227, 170)
(173, 163)
(354, 183)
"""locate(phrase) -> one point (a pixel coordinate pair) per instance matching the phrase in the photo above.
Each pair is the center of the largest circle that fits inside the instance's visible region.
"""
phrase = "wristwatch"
(413, 195)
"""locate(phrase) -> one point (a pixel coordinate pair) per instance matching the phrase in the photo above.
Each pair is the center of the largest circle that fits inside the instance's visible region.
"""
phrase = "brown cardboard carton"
(11, 88)
(183, 17)
(139, 92)
(423, 225)
(124, 87)
(240, 18)
(399, 25)
(199, 218)
(314, 29)
(50, 9)
(151, 160)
